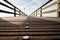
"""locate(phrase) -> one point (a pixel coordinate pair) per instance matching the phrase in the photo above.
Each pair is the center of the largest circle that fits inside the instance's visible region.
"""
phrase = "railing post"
(58, 7)
(19, 13)
(41, 12)
(14, 11)
(36, 12)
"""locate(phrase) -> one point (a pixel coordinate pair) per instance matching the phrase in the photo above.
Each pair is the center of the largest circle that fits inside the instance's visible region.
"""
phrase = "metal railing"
(15, 9)
(43, 7)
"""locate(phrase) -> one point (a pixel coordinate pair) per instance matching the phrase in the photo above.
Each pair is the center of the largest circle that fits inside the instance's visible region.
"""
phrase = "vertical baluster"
(41, 12)
(14, 11)
(36, 12)
(19, 13)
(58, 7)
(22, 13)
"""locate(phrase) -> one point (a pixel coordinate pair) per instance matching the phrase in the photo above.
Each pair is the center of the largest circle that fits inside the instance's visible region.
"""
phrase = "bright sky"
(28, 5)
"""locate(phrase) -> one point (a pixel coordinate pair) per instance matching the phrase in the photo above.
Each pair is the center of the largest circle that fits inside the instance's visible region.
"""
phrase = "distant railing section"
(15, 9)
(45, 6)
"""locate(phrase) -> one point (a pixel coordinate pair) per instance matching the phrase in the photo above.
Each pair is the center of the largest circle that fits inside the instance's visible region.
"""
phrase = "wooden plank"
(31, 37)
(28, 33)
(32, 30)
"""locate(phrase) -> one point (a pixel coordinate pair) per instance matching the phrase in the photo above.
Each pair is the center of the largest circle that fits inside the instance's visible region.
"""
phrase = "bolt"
(26, 37)
(27, 27)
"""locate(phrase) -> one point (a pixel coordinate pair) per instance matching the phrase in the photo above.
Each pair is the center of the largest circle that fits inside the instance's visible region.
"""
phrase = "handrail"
(7, 12)
(18, 10)
(43, 7)
(50, 5)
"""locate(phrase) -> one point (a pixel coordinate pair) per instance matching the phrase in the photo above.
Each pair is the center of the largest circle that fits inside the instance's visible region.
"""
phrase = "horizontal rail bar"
(50, 11)
(7, 6)
(6, 12)
(9, 3)
(50, 5)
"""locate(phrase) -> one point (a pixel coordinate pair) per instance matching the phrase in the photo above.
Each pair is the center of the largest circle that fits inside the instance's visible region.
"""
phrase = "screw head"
(26, 37)
(27, 27)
